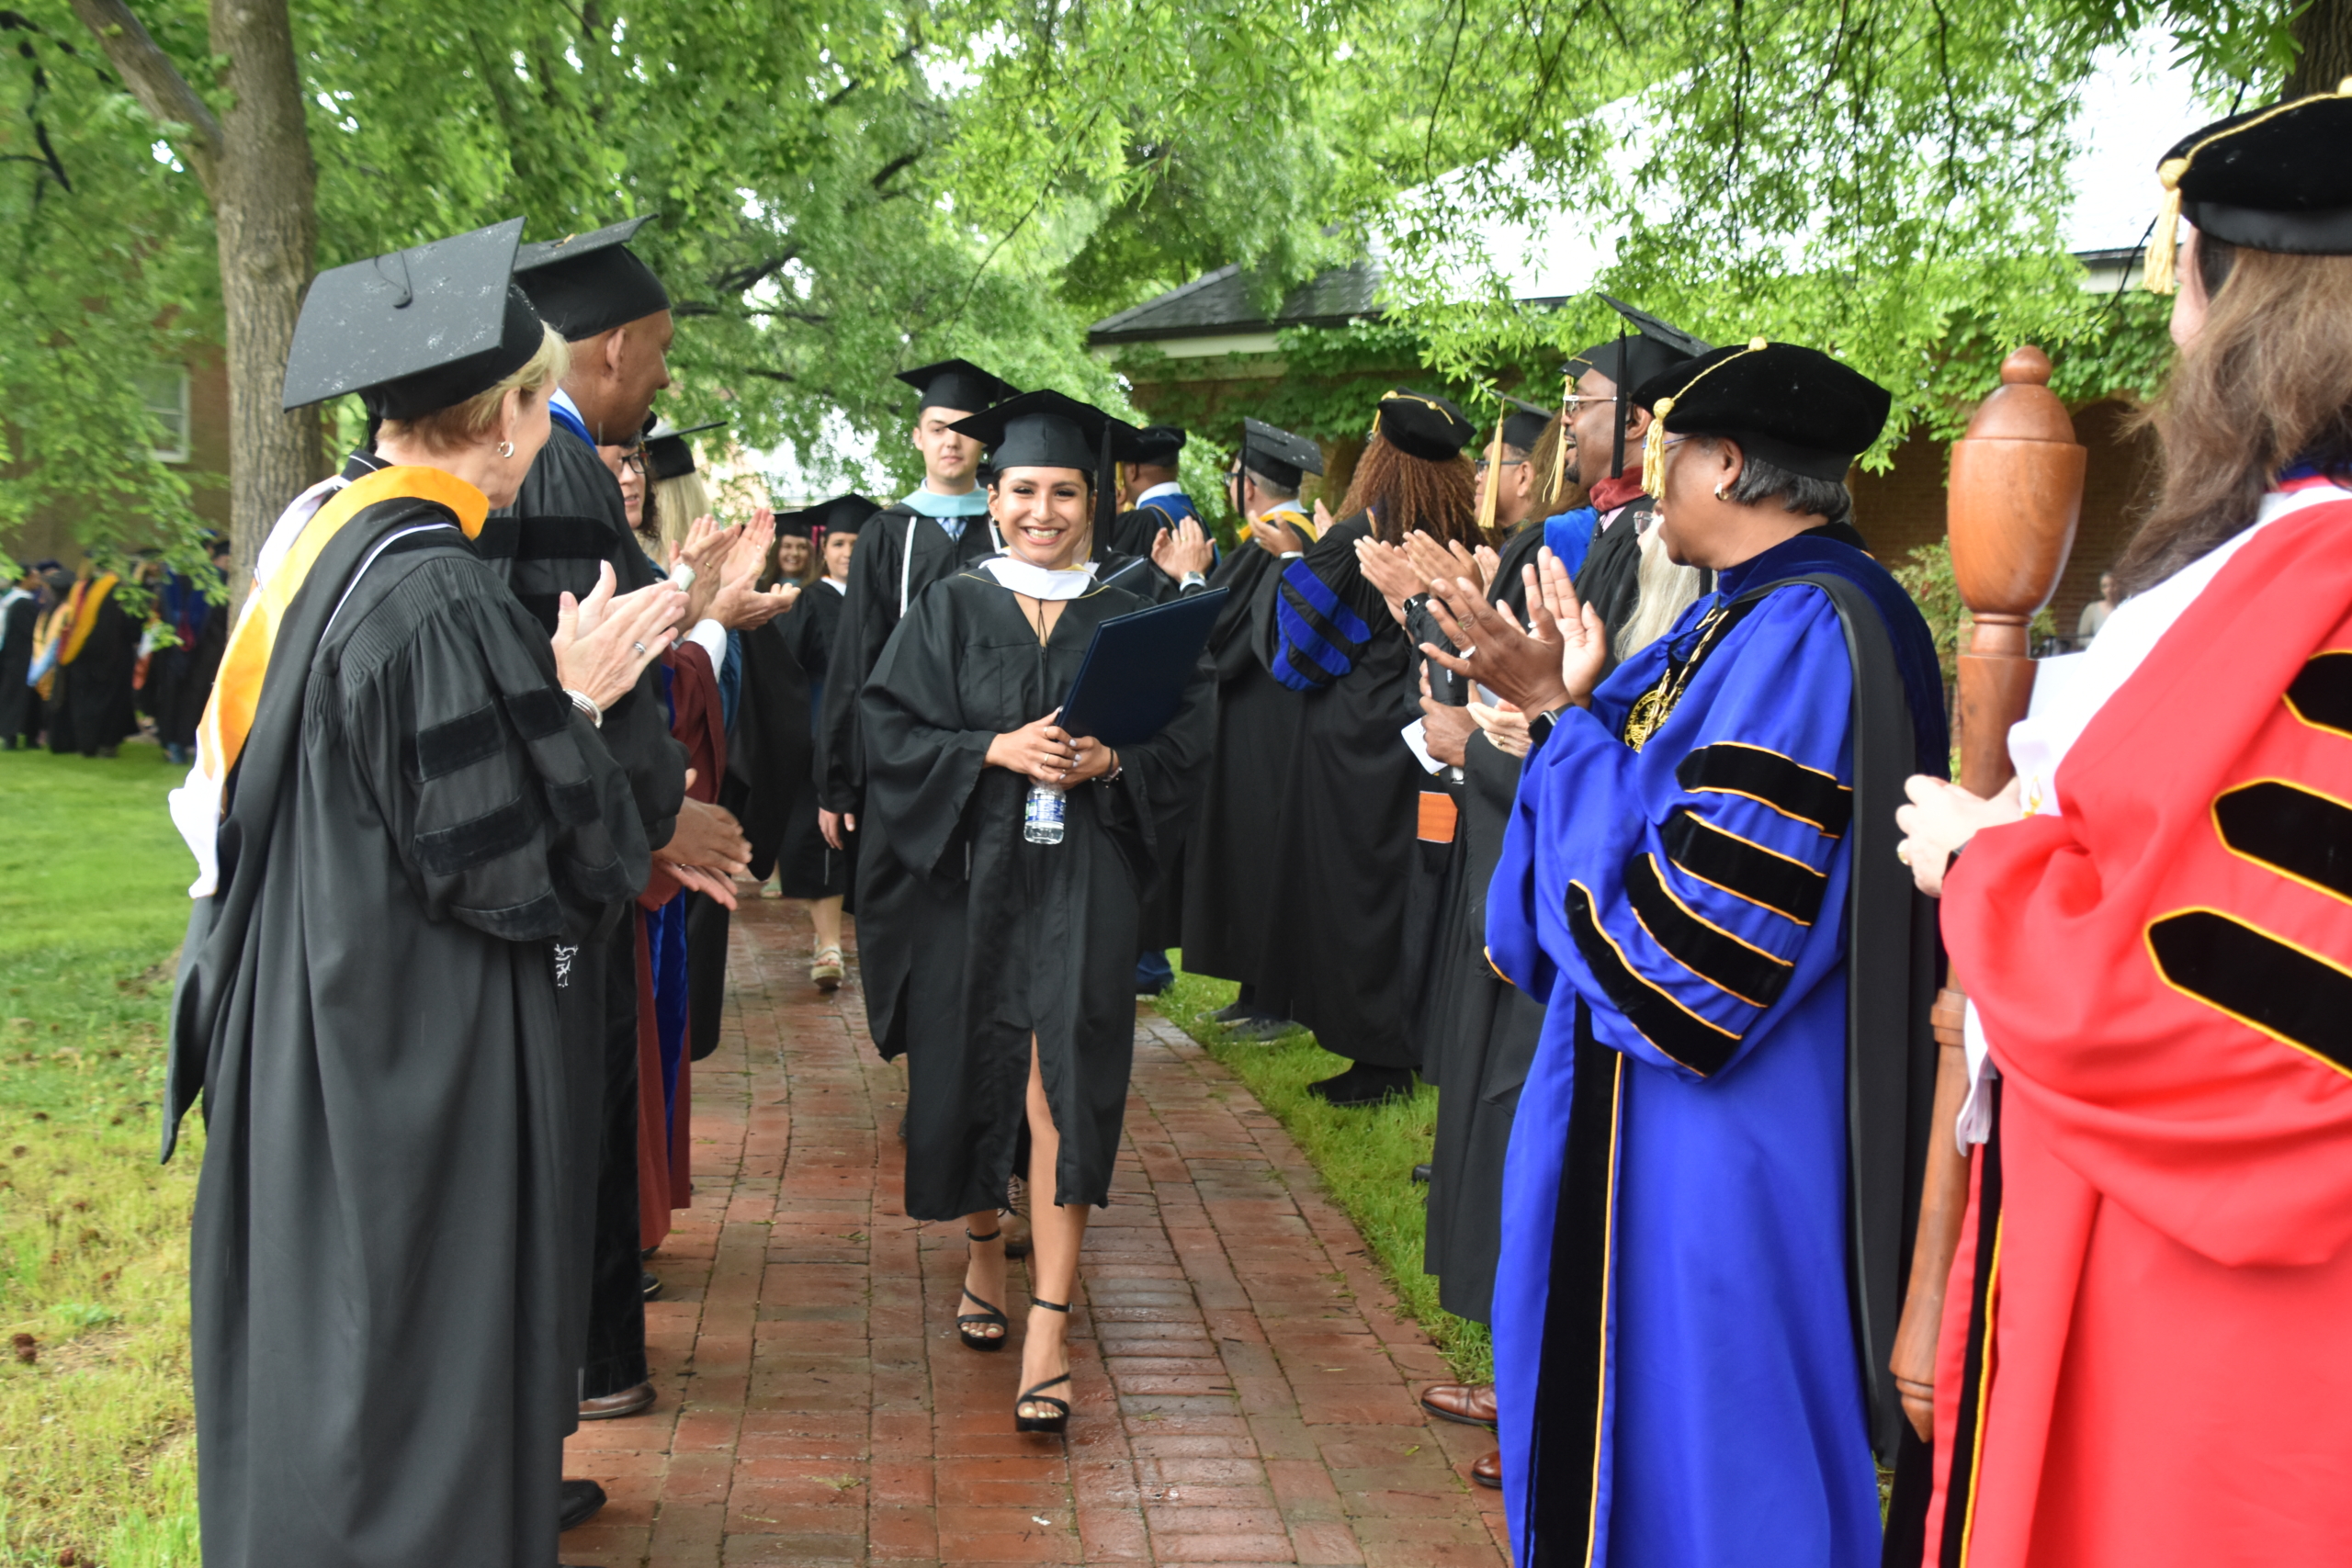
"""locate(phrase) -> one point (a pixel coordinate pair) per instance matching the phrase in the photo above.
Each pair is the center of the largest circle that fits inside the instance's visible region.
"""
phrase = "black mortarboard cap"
(587, 283)
(1420, 425)
(1523, 423)
(842, 514)
(1277, 454)
(957, 384)
(667, 454)
(416, 329)
(1158, 445)
(1652, 349)
(2274, 179)
(1046, 429)
(1795, 407)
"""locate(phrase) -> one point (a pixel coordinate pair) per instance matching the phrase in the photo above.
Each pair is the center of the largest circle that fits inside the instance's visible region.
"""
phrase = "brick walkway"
(1244, 1385)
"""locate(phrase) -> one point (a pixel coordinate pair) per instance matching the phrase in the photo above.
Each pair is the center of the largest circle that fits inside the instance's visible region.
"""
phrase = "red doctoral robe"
(2164, 973)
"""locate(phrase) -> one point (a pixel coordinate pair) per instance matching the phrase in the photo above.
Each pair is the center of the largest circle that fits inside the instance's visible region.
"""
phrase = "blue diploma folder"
(1133, 678)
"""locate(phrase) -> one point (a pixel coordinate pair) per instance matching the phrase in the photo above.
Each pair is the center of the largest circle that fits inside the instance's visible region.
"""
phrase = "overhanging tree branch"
(155, 81)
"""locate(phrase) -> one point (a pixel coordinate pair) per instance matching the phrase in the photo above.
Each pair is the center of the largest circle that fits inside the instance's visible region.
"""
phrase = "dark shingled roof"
(1217, 304)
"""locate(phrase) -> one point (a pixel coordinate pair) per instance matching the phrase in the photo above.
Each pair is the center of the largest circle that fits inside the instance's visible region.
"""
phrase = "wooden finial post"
(2015, 498)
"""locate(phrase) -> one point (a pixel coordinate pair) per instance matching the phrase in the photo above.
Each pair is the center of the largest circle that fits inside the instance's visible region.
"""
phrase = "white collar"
(836, 584)
(1156, 491)
(562, 400)
(1036, 581)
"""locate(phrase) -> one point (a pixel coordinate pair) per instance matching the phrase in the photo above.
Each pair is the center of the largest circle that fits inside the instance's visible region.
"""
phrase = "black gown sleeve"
(923, 761)
(869, 614)
(506, 812)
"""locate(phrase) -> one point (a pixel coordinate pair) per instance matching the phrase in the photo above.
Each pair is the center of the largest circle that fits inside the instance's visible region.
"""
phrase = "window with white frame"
(165, 391)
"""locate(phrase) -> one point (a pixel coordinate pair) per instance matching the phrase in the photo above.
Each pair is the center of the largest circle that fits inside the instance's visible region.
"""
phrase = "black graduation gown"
(419, 830)
(15, 658)
(1230, 850)
(1609, 579)
(567, 520)
(92, 709)
(972, 939)
(1335, 886)
(807, 866)
(883, 574)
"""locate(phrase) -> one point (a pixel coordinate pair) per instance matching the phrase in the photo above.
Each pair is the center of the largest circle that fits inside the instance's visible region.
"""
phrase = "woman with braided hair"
(1347, 820)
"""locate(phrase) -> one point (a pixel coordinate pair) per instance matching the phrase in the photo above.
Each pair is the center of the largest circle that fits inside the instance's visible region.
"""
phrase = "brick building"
(190, 403)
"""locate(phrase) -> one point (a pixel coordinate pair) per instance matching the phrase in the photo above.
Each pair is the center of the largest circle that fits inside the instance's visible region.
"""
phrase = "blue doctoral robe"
(1675, 1350)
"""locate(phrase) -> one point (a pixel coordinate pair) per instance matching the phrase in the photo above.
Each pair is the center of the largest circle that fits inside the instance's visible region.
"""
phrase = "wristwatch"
(1193, 580)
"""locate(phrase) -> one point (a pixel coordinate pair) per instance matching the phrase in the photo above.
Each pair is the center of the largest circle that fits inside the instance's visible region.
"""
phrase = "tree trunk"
(256, 167)
(2323, 48)
(265, 209)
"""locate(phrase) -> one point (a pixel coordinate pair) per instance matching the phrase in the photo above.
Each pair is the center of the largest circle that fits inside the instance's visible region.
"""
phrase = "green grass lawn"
(95, 1437)
(1365, 1157)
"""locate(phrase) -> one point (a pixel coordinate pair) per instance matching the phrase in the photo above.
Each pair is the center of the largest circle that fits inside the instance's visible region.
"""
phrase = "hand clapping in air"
(1557, 660)
(739, 606)
(601, 643)
(1182, 550)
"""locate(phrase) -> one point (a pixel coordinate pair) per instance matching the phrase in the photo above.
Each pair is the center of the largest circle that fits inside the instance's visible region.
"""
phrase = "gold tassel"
(2164, 244)
(1487, 495)
(1556, 482)
(1654, 450)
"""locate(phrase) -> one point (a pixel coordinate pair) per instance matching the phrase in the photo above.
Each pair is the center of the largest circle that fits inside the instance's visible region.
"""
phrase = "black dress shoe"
(614, 1406)
(650, 1284)
(1261, 1026)
(1233, 1012)
(1422, 1172)
(580, 1501)
(1363, 1085)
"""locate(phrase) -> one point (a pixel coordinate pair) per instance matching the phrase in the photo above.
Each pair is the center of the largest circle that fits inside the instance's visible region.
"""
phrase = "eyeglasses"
(1574, 405)
(1482, 465)
(634, 462)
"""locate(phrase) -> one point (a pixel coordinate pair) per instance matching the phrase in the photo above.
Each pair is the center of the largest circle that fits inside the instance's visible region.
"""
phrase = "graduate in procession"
(1708, 1162)
(808, 865)
(1151, 492)
(1232, 841)
(898, 558)
(407, 825)
(567, 527)
(2136, 1363)
(90, 704)
(1345, 813)
(1003, 870)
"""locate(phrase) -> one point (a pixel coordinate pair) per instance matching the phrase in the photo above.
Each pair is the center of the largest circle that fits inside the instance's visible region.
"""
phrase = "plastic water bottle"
(1041, 817)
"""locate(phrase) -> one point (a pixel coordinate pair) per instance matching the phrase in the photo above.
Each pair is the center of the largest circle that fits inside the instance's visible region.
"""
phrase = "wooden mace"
(2014, 498)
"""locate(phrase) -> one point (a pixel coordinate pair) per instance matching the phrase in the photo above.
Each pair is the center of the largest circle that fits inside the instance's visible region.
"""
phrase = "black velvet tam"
(587, 283)
(667, 453)
(1155, 444)
(1422, 427)
(957, 384)
(2276, 179)
(842, 514)
(1045, 429)
(416, 329)
(1651, 350)
(1793, 407)
(1278, 455)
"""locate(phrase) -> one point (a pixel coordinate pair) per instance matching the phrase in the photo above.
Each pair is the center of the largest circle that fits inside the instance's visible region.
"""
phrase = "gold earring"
(1719, 493)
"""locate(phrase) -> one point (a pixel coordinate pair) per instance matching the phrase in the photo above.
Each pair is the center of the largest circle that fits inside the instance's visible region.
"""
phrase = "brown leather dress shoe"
(1488, 1472)
(613, 1406)
(1472, 1404)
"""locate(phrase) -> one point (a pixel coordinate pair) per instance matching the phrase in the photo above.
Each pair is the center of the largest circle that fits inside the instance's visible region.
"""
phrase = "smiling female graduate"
(1021, 1012)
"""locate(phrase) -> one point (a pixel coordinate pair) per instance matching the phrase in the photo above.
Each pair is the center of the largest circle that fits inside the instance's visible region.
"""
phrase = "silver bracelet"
(586, 705)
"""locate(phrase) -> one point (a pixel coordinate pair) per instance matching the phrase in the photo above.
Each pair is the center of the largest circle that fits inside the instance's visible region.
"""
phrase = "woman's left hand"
(1940, 820)
(1095, 760)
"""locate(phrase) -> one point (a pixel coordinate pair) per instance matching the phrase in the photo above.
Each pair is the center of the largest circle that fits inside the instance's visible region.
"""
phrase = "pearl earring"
(506, 449)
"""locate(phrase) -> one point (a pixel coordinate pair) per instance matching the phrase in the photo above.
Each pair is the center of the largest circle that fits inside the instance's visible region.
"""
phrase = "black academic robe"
(15, 658)
(1335, 887)
(899, 553)
(807, 866)
(972, 939)
(419, 832)
(1609, 579)
(1479, 1033)
(567, 520)
(92, 707)
(1230, 849)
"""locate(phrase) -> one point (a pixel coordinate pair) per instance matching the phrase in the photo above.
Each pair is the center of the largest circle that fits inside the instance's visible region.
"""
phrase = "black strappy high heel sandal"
(1057, 1424)
(994, 1314)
